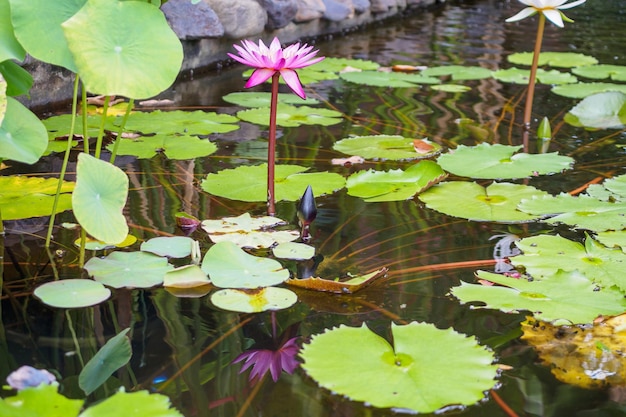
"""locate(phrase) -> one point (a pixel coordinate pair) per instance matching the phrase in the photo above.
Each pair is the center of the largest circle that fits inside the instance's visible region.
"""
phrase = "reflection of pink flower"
(551, 9)
(272, 59)
(263, 360)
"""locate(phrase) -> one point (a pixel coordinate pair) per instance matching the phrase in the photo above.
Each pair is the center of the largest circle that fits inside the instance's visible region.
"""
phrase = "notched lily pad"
(254, 300)
(521, 76)
(129, 269)
(188, 276)
(582, 90)
(349, 286)
(388, 79)
(23, 197)
(170, 246)
(249, 232)
(393, 147)
(72, 293)
(293, 250)
(173, 146)
(599, 111)
(180, 122)
(292, 116)
(601, 71)
(259, 99)
(555, 59)
(458, 72)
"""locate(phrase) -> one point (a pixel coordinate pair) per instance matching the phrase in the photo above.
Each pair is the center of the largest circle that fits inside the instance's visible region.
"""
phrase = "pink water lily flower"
(272, 59)
(269, 360)
(551, 9)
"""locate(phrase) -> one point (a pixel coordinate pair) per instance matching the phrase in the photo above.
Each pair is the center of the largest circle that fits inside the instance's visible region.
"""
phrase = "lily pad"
(612, 239)
(229, 266)
(249, 183)
(72, 293)
(292, 116)
(521, 76)
(582, 90)
(23, 137)
(600, 111)
(260, 99)
(123, 48)
(451, 88)
(180, 122)
(41, 401)
(393, 147)
(554, 59)
(293, 250)
(173, 146)
(348, 286)
(425, 369)
(188, 276)
(388, 79)
(255, 300)
(601, 71)
(498, 161)
(129, 269)
(58, 126)
(332, 64)
(115, 353)
(24, 197)
(569, 296)
(170, 246)
(94, 244)
(395, 184)
(468, 200)
(133, 404)
(458, 72)
(248, 232)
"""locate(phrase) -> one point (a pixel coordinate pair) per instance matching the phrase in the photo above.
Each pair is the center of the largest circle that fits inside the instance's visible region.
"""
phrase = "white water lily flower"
(551, 9)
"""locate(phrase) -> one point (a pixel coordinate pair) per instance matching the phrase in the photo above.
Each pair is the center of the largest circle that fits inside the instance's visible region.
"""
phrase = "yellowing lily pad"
(348, 286)
(393, 147)
(292, 116)
(248, 232)
(72, 293)
(94, 244)
(254, 300)
(24, 197)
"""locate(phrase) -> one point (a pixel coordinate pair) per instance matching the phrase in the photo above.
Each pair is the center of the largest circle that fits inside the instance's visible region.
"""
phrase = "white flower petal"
(554, 16)
(529, 11)
(570, 5)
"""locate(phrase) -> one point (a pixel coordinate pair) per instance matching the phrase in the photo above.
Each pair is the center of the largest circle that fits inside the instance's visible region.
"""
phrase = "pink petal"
(293, 81)
(259, 76)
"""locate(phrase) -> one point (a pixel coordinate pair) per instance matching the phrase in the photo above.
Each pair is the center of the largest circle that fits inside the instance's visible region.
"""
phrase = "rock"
(279, 12)
(192, 21)
(241, 18)
(309, 10)
(361, 6)
(336, 11)
(382, 6)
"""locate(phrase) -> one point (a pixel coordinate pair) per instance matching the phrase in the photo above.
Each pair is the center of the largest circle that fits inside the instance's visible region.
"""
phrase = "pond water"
(184, 347)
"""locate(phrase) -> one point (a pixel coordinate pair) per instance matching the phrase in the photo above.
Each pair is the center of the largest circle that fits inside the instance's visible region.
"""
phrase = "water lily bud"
(544, 131)
(307, 211)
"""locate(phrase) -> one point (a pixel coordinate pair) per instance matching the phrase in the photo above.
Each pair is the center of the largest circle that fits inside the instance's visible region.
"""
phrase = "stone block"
(279, 12)
(192, 21)
(241, 18)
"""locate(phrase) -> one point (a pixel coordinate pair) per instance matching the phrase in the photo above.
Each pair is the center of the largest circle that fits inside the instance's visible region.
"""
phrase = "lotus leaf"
(129, 269)
(569, 296)
(188, 276)
(392, 147)
(254, 301)
(181, 122)
(496, 203)
(615, 72)
(23, 137)
(501, 161)
(260, 99)
(348, 286)
(19, 81)
(249, 183)
(24, 197)
(248, 232)
(228, 266)
(72, 293)
(458, 72)
(3, 95)
(601, 111)
(555, 59)
(582, 212)
(170, 246)
(543, 256)
(133, 404)
(521, 76)
(388, 79)
(42, 401)
(425, 369)
(115, 353)
(395, 184)
(582, 90)
(293, 250)
(292, 116)
(10, 48)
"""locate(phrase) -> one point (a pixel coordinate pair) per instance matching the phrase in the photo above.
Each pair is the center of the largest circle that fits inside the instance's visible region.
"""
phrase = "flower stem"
(271, 149)
(533, 72)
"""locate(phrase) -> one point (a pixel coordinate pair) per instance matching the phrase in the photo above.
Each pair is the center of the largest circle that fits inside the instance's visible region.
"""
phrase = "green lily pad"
(563, 296)
(249, 183)
(99, 198)
(248, 232)
(388, 79)
(582, 90)
(3, 94)
(180, 122)
(613, 238)
(173, 146)
(442, 366)
(554, 59)
(601, 71)
(458, 72)
(600, 111)
(254, 301)
(451, 88)
(229, 266)
(543, 256)
(617, 186)
(123, 48)
(41, 401)
(115, 353)
(468, 200)
(23, 197)
(133, 404)
(395, 184)
(23, 137)
(332, 64)
(170, 246)
(129, 269)
(521, 76)
(393, 147)
(72, 293)
(10, 48)
(260, 99)
(58, 126)
(488, 161)
(188, 276)
(293, 250)
(582, 212)
(292, 116)
(94, 244)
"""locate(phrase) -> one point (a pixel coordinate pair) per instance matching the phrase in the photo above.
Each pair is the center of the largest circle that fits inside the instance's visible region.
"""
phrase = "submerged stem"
(105, 108)
(129, 107)
(271, 149)
(533, 72)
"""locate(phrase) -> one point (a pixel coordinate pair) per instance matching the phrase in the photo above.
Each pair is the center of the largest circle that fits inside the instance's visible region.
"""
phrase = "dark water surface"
(190, 344)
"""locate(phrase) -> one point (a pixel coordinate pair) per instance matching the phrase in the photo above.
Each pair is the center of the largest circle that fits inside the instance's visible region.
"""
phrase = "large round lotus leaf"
(249, 183)
(248, 232)
(41, 401)
(555, 59)
(229, 266)
(395, 184)
(254, 301)
(173, 146)
(388, 79)
(392, 147)
(10, 48)
(582, 90)
(133, 404)
(123, 48)
(99, 198)
(23, 137)
(23, 197)
(37, 26)
(292, 116)
(458, 72)
(181, 122)
(521, 76)
(171, 246)
(600, 111)
(598, 72)
(260, 99)
(501, 161)
(566, 296)
(129, 269)
(468, 200)
(425, 369)
(72, 293)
